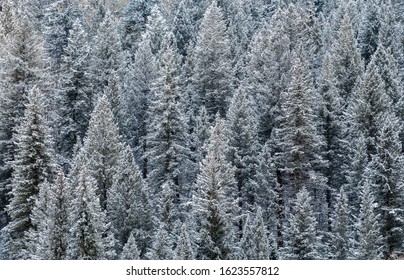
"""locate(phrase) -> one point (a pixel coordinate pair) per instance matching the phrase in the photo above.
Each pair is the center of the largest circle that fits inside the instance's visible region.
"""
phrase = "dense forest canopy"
(200, 129)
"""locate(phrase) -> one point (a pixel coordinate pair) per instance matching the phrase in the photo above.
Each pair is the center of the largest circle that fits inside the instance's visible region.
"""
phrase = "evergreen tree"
(301, 241)
(134, 19)
(102, 148)
(137, 99)
(369, 239)
(256, 243)
(32, 166)
(369, 28)
(74, 93)
(384, 172)
(268, 193)
(241, 130)
(298, 144)
(57, 24)
(166, 139)
(214, 200)
(48, 241)
(130, 250)
(162, 246)
(184, 249)
(22, 67)
(345, 60)
(107, 55)
(124, 203)
(88, 227)
(212, 74)
(342, 234)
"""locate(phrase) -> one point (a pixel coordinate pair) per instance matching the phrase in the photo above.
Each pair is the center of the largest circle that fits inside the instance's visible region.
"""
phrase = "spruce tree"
(88, 227)
(299, 146)
(48, 240)
(241, 130)
(130, 250)
(32, 166)
(124, 203)
(23, 67)
(184, 249)
(342, 233)
(212, 74)
(215, 203)
(162, 246)
(166, 139)
(384, 172)
(369, 239)
(301, 241)
(137, 101)
(74, 94)
(102, 148)
(345, 60)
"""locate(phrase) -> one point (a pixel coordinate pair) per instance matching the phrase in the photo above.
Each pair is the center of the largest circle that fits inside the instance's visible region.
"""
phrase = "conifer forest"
(201, 129)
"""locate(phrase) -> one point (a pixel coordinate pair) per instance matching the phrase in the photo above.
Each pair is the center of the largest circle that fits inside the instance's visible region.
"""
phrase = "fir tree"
(32, 166)
(167, 146)
(212, 74)
(214, 201)
(88, 227)
(161, 247)
(345, 60)
(385, 173)
(123, 201)
(184, 249)
(48, 241)
(301, 241)
(23, 67)
(369, 239)
(241, 130)
(298, 144)
(102, 148)
(342, 234)
(74, 94)
(137, 99)
(130, 250)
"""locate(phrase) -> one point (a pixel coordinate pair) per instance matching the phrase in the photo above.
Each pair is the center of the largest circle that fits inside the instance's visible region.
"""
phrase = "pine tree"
(256, 243)
(32, 166)
(214, 200)
(161, 248)
(212, 74)
(57, 24)
(345, 60)
(107, 55)
(385, 173)
(102, 148)
(268, 193)
(298, 143)
(130, 250)
(184, 249)
(134, 23)
(137, 99)
(48, 241)
(369, 28)
(369, 239)
(166, 139)
(156, 29)
(22, 67)
(342, 234)
(241, 130)
(88, 227)
(123, 201)
(265, 242)
(301, 241)
(74, 93)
